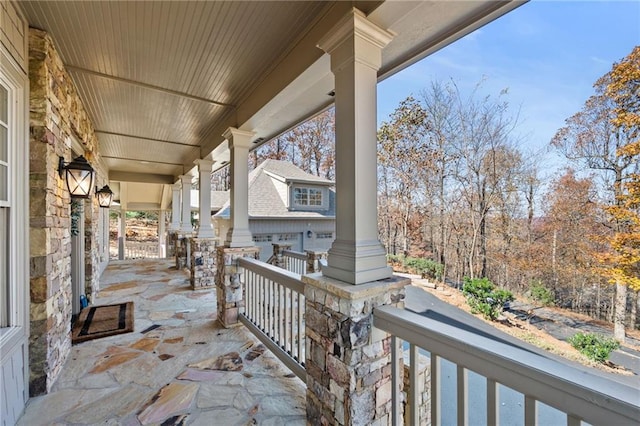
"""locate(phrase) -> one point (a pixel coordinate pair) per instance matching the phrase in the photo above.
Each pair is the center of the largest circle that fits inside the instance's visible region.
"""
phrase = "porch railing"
(578, 396)
(295, 262)
(274, 311)
(141, 250)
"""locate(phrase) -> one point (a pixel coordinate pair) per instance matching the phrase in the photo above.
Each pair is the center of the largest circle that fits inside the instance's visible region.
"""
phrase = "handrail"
(275, 310)
(294, 254)
(581, 396)
(279, 275)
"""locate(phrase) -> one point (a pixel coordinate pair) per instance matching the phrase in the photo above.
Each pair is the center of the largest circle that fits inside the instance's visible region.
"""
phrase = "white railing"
(138, 250)
(295, 262)
(544, 382)
(274, 311)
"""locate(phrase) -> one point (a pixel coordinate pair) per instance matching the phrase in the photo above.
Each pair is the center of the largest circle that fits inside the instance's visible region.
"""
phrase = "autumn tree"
(601, 137)
(401, 156)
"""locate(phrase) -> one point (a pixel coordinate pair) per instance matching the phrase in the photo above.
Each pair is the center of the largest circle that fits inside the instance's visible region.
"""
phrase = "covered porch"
(157, 96)
(168, 374)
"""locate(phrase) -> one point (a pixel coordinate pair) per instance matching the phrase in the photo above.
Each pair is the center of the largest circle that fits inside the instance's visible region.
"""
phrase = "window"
(262, 238)
(288, 237)
(307, 197)
(324, 235)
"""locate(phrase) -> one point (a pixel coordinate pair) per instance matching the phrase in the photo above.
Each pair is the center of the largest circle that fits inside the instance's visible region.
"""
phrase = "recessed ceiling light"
(144, 162)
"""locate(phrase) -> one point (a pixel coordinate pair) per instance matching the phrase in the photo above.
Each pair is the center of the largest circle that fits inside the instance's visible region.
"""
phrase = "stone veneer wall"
(229, 283)
(203, 262)
(56, 114)
(348, 361)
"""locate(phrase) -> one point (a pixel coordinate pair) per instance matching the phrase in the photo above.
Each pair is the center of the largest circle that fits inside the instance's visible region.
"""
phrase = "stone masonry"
(56, 115)
(313, 260)
(348, 362)
(181, 243)
(229, 277)
(203, 262)
(172, 238)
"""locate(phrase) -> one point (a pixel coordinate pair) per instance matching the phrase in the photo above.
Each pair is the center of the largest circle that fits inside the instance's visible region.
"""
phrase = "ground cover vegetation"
(458, 188)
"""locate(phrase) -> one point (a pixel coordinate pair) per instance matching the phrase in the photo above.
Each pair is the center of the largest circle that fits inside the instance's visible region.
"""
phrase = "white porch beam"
(355, 46)
(205, 230)
(239, 144)
(185, 218)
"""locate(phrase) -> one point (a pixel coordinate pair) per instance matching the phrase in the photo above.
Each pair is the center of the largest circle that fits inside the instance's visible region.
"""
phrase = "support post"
(185, 218)
(239, 234)
(355, 47)
(205, 230)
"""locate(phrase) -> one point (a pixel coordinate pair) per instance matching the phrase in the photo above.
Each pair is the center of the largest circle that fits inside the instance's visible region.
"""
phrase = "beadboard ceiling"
(162, 80)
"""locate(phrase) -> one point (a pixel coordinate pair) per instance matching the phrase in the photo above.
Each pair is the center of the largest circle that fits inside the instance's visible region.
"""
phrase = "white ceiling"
(162, 80)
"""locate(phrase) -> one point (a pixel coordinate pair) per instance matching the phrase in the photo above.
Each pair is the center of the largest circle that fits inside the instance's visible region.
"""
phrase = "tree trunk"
(620, 312)
(633, 319)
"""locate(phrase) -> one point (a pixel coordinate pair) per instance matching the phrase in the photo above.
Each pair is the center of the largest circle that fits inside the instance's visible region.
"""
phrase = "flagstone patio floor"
(186, 370)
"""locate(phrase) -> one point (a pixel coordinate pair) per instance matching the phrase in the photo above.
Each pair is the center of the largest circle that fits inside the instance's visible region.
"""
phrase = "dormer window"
(307, 197)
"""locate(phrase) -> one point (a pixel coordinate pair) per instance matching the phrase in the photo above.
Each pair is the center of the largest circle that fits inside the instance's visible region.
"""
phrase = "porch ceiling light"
(105, 195)
(79, 176)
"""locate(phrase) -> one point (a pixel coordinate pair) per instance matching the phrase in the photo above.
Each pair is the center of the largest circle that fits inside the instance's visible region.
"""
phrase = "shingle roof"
(266, 201)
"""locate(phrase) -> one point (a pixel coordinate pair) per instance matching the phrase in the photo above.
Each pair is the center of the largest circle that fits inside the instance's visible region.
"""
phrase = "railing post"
(278, 258)
(229, 282)
(348, 361)
(313, 260)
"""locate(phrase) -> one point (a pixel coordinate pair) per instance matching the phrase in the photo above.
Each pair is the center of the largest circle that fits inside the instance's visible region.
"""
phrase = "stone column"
(185, 218)
(239, 234)
(278, 258)
(205, 230)
(229, 282)
(203, 262)
(348, 362)
(122, 234)
(313, 260)
(355, 46)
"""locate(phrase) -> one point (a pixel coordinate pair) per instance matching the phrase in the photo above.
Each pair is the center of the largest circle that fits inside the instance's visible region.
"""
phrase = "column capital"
(204, 165)
(185, 179)
(238, 138)
(177, 186)
(362, 41)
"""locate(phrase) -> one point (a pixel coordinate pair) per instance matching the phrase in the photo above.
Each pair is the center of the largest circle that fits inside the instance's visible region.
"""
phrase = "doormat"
(96, 322)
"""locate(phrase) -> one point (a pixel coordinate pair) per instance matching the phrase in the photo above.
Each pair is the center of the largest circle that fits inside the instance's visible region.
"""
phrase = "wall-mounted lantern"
(105, 195)
(79, 176)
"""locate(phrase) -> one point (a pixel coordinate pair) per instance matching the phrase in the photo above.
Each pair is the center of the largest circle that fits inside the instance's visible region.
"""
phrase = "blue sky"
(547, 54)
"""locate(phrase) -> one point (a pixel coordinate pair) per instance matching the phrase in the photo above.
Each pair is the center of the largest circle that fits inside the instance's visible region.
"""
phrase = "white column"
(355, 46)
(185, 219)
(162, 237)
(175, 208)
(122, 234)
(239, 143)
(204, 170)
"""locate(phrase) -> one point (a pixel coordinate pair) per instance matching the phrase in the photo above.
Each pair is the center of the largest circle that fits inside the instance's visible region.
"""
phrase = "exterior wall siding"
(277, 227)
(56, 116)
(15, 331)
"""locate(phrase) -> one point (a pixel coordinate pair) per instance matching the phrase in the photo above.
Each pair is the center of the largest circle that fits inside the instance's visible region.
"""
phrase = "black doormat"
(101, 321)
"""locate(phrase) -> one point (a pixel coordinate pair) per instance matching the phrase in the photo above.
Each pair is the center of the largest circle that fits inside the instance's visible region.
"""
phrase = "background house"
(286, 205)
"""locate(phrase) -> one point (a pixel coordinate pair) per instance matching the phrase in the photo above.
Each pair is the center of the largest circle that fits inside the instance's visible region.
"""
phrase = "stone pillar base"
(203, 262)
(182, 249)
(172, 237)
(313, 260)
(348, 362)
(229, 282)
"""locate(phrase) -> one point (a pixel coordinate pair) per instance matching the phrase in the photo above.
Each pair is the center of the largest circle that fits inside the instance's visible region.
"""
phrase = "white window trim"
(18, 260)
(323, 194)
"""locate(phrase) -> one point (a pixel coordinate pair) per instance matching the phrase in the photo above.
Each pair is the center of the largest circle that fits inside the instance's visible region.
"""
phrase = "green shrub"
(483, 297)
(427, 268)
(541, 294)
(594, 346)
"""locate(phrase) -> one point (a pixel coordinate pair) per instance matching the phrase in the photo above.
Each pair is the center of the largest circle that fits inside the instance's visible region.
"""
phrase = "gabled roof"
(265, 201)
